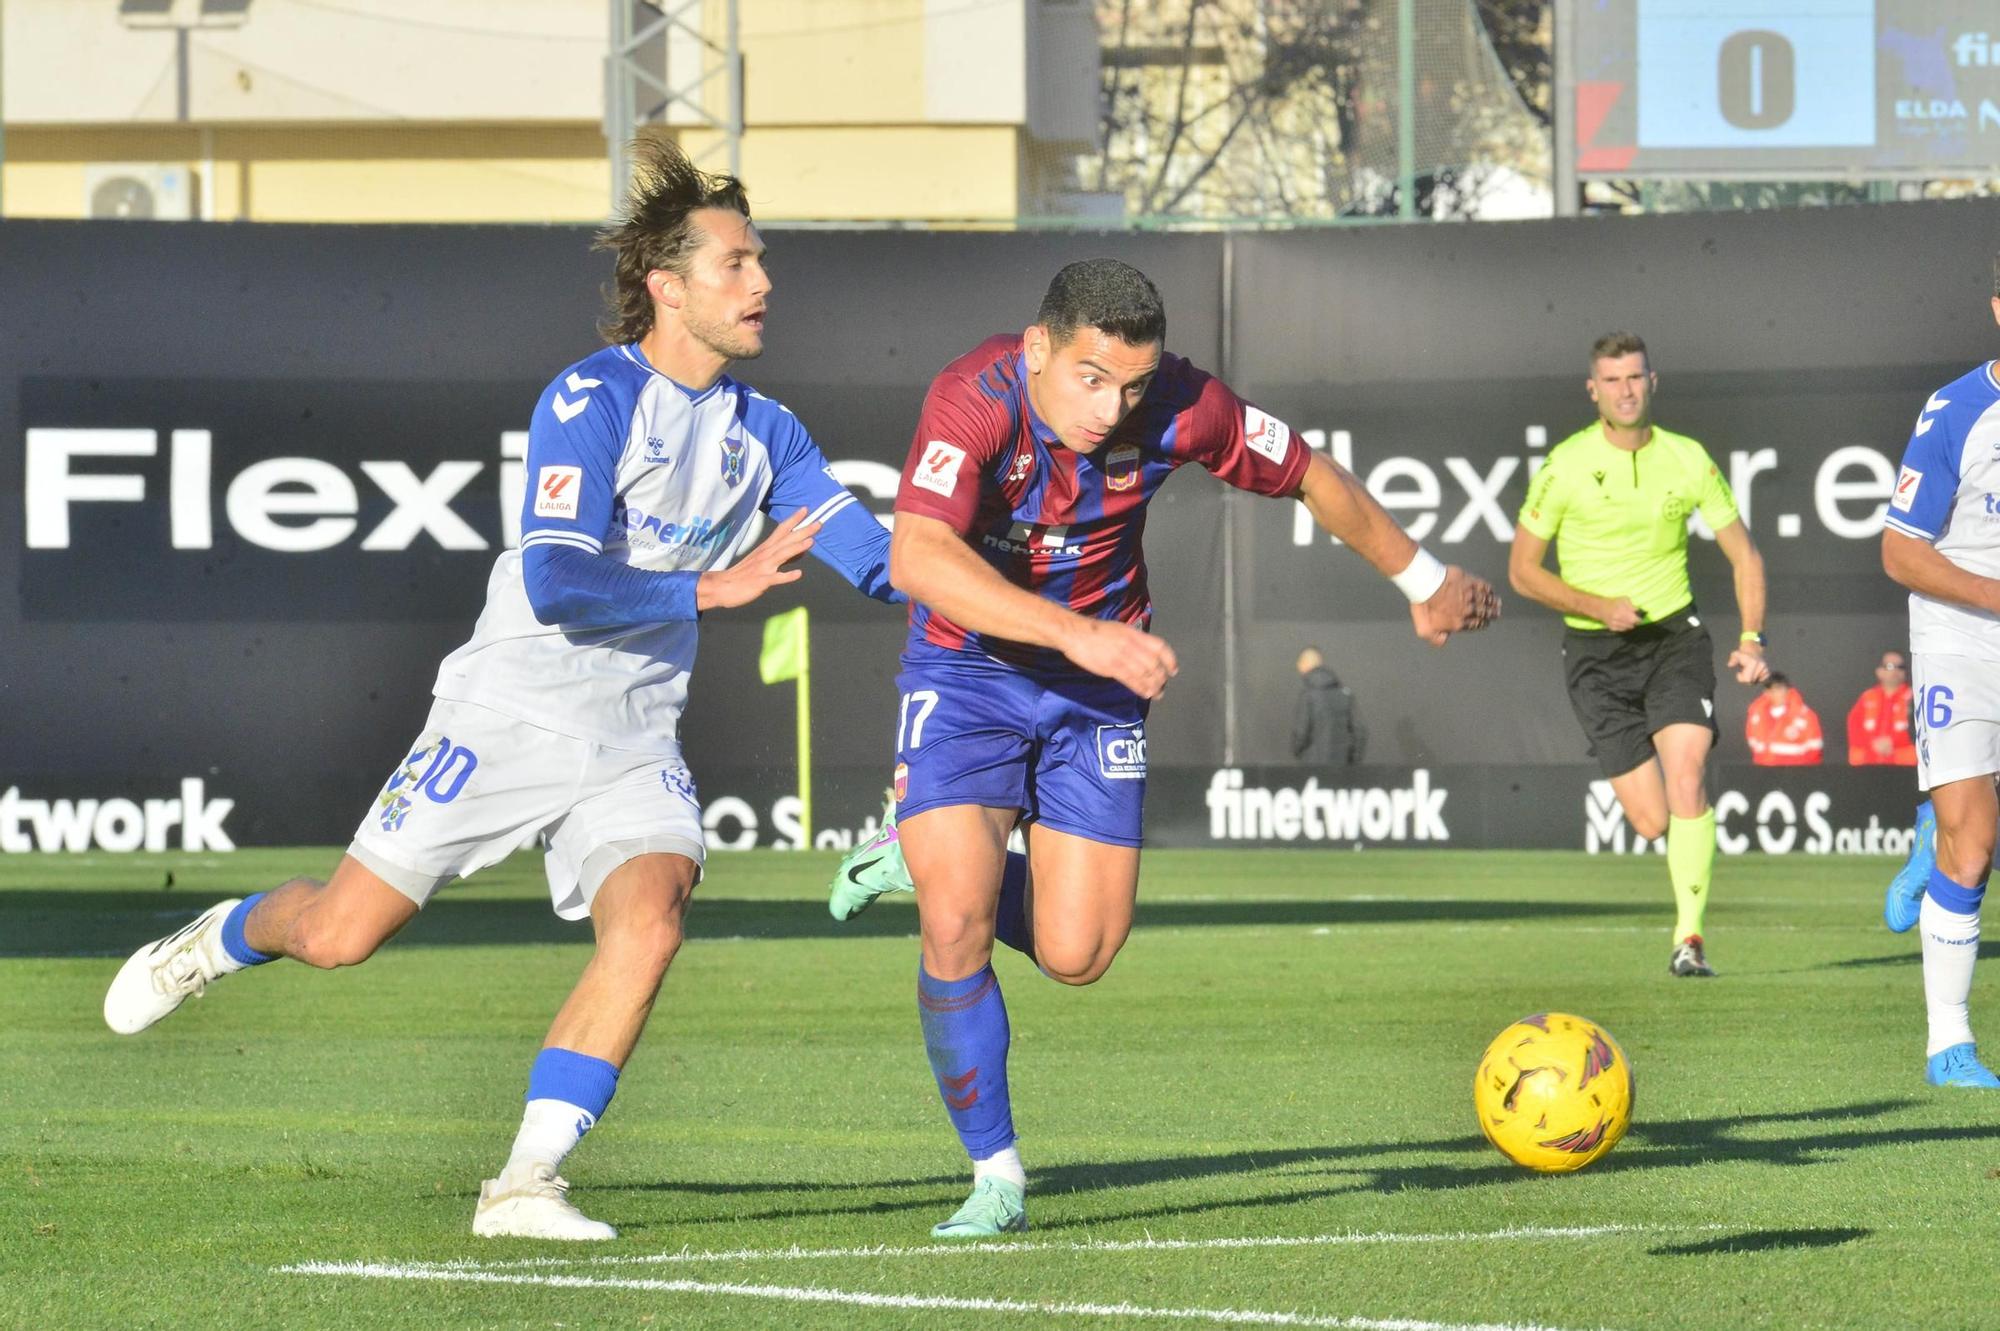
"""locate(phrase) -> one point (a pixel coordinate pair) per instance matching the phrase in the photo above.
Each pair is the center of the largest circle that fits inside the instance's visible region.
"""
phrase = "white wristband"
(1422, 578)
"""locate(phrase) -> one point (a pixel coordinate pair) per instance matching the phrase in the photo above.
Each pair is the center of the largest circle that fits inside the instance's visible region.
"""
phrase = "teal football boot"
(996, 1206)
(1905, 897)
(1960, 1066)
(870, 869)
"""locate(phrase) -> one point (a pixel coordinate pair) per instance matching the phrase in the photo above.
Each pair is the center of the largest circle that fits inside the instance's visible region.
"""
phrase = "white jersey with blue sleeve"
(628, 465)
(1948, 493)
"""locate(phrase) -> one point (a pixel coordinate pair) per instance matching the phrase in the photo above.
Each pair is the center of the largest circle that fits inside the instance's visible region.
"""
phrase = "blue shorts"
(1067, 749)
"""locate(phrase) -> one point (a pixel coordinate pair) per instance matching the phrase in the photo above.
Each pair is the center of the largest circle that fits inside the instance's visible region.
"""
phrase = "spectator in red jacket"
(1782, 730)
(1878, 725)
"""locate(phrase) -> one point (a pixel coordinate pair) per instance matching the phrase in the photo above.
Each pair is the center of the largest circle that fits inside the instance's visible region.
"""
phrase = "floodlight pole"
(1406, 108)
(644, 86)
(183, 30)
(3, 108)
(1562, 110)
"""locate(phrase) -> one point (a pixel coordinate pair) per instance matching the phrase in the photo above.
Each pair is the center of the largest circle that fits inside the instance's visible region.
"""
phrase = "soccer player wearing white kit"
(649, 467)
(1942, 541)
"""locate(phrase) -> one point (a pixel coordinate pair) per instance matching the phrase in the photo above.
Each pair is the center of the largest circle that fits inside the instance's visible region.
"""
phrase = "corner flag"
(787, 655)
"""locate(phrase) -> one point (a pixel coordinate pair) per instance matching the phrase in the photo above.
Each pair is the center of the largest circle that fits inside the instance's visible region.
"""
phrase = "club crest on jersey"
(1121, 467)
(732, 459)
(676, 781)
(1121, 753)
(393, 805)
(1265, 434)
(1675, 509)
(938, 470)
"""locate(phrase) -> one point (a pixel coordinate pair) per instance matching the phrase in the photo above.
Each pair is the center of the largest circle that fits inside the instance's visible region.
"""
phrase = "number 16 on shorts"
(1957, 704)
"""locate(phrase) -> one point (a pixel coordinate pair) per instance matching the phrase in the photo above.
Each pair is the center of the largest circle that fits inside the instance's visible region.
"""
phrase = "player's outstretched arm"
(760, 570)
(1917, 565)
(1444, 599)
(1747, 568)
(1528, 573)
(931, 563)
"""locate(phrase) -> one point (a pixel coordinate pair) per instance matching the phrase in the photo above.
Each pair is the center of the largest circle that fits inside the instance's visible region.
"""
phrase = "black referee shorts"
(1624, 687)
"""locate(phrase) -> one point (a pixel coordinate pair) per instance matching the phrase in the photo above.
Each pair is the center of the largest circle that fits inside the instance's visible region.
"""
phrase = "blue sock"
(965, 1034)
(239, 951)
(573, 1078)
(1010, 926)
(1958, 898)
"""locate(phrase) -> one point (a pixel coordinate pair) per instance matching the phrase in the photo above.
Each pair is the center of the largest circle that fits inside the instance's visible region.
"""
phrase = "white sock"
(1001, 1164)
(1951, 945)
(550, 1130)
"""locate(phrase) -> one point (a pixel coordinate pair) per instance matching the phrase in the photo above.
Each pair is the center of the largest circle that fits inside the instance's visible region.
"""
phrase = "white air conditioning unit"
(158, 191)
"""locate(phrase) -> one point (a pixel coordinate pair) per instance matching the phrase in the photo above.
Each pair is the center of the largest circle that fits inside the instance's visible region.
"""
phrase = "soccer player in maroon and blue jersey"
(1030, 664)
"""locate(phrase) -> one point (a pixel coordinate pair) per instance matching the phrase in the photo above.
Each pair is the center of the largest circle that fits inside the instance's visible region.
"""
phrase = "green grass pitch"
(1262, 1116)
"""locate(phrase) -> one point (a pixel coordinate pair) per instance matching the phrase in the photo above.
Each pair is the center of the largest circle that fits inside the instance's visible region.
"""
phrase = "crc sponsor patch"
(556, 490)
(938, 472)
(1121, 753)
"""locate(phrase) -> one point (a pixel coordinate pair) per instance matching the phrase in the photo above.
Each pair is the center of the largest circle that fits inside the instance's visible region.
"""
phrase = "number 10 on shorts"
(916, 709)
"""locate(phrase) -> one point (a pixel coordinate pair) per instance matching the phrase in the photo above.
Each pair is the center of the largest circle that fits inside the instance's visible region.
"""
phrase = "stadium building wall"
(252, 480)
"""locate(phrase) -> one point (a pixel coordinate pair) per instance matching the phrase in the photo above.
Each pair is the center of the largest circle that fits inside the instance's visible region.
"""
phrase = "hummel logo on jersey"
(938, 472)
(1927, 419)
(968, 1093)
(1023, 464)
(567, 411)
(556, 491)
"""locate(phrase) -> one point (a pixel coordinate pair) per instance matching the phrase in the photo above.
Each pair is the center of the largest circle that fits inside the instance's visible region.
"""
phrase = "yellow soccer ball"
(1554, 1092)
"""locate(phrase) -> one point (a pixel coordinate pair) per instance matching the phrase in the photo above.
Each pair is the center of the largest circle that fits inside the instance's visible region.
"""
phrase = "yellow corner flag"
(787, 655)
(784, 654)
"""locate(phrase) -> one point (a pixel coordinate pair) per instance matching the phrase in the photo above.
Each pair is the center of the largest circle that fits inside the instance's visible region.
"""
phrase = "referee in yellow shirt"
(1615, 497)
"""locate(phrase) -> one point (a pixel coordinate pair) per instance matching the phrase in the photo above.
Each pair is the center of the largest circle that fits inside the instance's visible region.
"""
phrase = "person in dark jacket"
(1324, 731)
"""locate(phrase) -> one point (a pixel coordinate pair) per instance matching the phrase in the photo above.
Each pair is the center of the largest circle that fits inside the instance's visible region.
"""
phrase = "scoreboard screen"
(1785, 88)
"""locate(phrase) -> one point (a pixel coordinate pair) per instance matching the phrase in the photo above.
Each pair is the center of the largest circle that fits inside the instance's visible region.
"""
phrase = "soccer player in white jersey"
(649, 467)
(1942, 540)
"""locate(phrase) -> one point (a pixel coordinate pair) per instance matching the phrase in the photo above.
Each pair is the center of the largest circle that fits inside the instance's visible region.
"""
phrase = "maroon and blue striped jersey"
(1060, 523)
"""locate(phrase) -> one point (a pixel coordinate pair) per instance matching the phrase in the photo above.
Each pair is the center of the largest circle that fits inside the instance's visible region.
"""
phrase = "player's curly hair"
(653, 230)
(1613, 345)
(1105, 294)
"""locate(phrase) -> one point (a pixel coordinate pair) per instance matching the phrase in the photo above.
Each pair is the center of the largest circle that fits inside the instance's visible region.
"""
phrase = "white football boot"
(532, 1205)
(161, 975)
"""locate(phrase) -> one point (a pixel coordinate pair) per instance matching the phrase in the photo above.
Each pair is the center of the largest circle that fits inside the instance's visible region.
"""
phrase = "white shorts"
(479, 785)
(1957, 724)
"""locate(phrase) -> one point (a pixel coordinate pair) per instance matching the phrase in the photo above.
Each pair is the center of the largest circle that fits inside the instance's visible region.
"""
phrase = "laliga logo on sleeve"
(1906, 489)
(1121, 753)
(556, 490)
(938, 472)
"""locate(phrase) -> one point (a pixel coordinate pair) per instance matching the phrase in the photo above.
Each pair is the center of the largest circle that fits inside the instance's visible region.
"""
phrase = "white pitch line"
(798, 1254)
(865, 1299)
